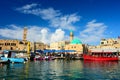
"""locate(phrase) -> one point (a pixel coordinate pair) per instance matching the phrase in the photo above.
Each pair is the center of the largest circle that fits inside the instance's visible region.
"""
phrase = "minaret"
(71, 35)
(25, 34)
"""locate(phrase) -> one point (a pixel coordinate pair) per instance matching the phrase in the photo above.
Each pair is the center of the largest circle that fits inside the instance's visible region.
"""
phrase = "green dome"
(75, 41)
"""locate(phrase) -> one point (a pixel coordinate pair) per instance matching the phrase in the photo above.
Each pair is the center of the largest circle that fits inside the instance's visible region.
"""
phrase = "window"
(7, 43)
(21, 42)
(11, 48)
(0, 48)
(115, 42)
(13, 44)
(102, 42)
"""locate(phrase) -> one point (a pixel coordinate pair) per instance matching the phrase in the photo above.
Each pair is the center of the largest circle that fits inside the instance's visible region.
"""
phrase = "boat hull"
(45, 58)
(15, 60)
(88, 57)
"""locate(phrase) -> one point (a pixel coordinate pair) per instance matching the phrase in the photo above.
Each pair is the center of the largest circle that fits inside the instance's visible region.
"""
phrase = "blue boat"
(10, 57)
(13, 60)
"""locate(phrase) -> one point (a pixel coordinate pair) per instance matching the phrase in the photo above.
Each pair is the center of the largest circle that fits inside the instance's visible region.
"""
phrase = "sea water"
(61, 70)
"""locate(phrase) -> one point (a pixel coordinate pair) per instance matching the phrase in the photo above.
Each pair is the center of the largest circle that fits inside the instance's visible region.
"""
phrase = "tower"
(25, 34)
(71, 35)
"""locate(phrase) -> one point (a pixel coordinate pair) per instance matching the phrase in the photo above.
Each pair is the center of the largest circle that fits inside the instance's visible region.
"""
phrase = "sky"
(50, 21)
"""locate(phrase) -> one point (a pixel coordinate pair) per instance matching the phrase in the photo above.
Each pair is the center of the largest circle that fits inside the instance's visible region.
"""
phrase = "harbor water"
(61, 70)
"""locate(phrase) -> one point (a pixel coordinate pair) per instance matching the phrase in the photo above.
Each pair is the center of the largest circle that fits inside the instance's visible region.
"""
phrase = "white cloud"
(65, 22)
(59, 35)
(54, 17)
(12, 32)
(35, 33)
(93, 33)
(28, 6)
(49, 13)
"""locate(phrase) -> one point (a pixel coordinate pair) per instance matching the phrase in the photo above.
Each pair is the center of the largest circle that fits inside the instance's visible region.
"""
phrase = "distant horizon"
(51, 21)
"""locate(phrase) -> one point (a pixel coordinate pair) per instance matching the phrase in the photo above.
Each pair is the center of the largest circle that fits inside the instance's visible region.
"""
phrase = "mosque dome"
(75, 41)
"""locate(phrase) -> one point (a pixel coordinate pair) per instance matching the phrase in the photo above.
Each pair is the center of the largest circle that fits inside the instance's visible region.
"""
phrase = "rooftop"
(75, 41)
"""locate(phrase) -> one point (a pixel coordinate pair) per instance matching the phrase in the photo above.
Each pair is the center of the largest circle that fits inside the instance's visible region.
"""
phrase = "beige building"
(12, 45)
(71, 35)
(21, 45)
(58, 45)
(39, 46)
(110, 44)
(6, 44)
(107, 42)
(76, 45)
(72, 44)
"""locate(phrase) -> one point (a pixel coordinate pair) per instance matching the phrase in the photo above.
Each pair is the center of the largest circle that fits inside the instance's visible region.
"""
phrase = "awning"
(54, 51)
(64, 50)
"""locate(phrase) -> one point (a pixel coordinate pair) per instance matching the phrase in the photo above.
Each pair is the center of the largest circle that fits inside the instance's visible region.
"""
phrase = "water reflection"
(100, 64)
(61, 70)
(102, 70)
(58, 69)
(43, 70)
(10, 71)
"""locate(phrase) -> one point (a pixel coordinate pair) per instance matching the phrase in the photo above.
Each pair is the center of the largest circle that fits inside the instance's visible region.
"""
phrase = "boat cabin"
(108, 56)
(104, 54)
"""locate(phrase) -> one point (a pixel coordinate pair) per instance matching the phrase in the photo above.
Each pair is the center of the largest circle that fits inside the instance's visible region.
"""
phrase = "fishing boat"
(101, 56)
(11, 57)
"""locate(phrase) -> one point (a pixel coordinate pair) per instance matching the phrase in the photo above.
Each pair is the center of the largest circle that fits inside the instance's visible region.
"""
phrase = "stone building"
(72, 44)
(25, 34)
(59, 45)
(71, 35)
(21, 45)
(107, 42)
(8, 44)
(12, 45)
(39, 46)
(109, 45)
(76, 45)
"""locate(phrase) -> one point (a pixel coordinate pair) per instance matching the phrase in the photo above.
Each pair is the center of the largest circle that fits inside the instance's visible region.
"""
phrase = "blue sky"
(51, 20)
